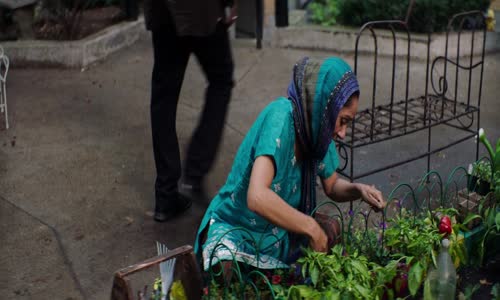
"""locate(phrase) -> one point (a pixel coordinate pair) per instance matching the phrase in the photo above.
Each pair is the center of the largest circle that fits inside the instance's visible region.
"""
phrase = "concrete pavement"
(77, 171)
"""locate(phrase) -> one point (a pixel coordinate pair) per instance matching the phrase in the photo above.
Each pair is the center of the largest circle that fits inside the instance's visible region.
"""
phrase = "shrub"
(426, 16)
(324, 12)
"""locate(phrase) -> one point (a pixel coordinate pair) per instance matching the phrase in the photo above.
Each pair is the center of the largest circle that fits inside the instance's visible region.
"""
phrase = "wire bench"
(395, 118)
(4, 69)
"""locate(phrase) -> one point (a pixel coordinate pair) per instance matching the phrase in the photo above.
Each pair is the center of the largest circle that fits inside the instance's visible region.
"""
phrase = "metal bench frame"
(4, 70)
(383, 122)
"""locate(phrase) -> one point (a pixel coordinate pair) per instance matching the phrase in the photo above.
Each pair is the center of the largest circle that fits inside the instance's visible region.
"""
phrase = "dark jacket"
(189, 17)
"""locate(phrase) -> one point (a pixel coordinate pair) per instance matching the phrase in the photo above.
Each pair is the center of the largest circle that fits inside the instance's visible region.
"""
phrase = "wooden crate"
(186, 270)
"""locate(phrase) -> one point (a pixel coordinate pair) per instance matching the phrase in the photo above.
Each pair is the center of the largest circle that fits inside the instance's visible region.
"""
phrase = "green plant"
(324, 12)
(481, 178)
(470, 290)
(426, 15)
(491, 221)
(233, 291)
(342, 275)
(482, 171)
(494, 153)
(417, 238)
(496, 186)
(63, 18)
(252, 283)
(368, 242)
(495, 161)
(490, 217)
(495, 291)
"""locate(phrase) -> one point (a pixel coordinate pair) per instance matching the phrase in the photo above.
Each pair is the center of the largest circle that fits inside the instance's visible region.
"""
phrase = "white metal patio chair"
(4, 69)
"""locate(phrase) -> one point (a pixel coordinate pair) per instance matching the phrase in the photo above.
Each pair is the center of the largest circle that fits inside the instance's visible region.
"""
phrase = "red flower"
(445, 225)
(205, 291)
(276, 279)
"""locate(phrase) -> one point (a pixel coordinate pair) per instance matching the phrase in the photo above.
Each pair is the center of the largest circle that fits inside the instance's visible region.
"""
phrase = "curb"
(74, 54)
(343, 40)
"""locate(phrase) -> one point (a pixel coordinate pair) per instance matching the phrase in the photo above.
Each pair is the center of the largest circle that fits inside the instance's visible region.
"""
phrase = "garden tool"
(166, 270)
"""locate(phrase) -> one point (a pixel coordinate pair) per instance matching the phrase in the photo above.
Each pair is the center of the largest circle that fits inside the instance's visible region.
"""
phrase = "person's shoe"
(180, 206)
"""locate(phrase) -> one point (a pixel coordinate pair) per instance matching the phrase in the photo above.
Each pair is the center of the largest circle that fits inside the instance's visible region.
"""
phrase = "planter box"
(130, 281)
(470, 239)
(74, 54)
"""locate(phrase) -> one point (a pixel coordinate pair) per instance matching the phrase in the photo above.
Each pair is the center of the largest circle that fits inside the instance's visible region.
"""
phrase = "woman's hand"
(372, 196)
(318, 239)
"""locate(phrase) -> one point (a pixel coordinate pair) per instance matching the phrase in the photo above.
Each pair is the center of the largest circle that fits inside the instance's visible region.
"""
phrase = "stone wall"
(343, 40)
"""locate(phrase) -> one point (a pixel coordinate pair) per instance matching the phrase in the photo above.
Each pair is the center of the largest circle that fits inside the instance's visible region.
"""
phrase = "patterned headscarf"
(318, 91)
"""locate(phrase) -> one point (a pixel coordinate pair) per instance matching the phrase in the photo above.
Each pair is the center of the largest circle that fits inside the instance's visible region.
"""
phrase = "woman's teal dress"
(235, 232)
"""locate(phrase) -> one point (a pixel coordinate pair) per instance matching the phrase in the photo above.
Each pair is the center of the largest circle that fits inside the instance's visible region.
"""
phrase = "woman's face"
(345, 117)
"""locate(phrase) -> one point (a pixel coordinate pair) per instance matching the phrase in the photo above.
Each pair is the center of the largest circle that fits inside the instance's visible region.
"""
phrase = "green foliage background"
(427, 15)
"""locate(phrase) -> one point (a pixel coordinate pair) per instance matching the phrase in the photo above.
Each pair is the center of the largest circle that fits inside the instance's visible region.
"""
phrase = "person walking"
(180, 28)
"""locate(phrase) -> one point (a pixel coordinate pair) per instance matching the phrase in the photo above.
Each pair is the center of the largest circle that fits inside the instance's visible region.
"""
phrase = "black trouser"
(171, 55)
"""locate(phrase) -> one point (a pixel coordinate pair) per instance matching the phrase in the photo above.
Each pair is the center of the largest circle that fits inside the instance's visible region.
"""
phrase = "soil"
(485, 277)
(92, 21)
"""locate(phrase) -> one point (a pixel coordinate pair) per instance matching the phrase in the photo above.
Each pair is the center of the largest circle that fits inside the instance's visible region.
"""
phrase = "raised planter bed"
(75, 54)
(342, 39)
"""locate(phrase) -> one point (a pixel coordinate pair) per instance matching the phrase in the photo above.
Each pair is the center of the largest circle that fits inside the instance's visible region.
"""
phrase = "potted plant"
(483, 180)
(484, 240)
(480, 178)
(494, 156)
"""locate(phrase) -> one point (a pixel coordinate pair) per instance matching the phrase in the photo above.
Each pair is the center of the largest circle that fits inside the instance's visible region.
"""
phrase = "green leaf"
(470, 290)
(495, 291)
(427, 290)
(314, 271)
(461, 252)
(363, 291)
(415, 278)
(362, 269)
(337, 250)
(460, 227)
(333, 295)
(497, 221)
(434, 258)
(470, 217)
(490, 219)
(302, 292)
(496, 161)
